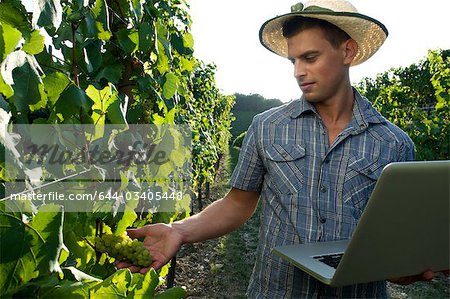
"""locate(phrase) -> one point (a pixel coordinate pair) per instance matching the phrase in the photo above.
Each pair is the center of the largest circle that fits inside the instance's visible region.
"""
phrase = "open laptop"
(404, 230)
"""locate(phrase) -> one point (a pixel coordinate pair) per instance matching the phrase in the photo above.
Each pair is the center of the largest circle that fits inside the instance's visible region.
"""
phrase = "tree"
(416, 98)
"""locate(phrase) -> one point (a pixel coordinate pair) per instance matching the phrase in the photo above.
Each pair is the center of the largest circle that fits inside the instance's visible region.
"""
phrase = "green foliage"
(416, 98)
(209, 114)
(246, 107)
(237, 142)
(254, 102)
(107, 62)
(29, 249)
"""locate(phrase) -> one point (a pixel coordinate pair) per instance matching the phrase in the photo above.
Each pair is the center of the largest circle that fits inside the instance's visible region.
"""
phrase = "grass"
(439, 287)
(235, 251)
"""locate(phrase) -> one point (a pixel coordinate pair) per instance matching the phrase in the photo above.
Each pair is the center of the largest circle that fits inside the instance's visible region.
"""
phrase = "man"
(313, 162)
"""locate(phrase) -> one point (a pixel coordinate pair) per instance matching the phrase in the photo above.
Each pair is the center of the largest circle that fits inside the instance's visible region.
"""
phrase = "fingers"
(135, 269)
(121, 265)
(136, 232)
(425, 276)
(144, 270)
(132, 268)
(156, 265)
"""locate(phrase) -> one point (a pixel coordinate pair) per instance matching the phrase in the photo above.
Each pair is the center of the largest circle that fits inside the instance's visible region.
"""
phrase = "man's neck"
(337, 113)
(337, 109)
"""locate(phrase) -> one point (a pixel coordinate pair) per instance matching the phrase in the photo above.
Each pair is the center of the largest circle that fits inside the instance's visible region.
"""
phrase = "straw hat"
(366, 31)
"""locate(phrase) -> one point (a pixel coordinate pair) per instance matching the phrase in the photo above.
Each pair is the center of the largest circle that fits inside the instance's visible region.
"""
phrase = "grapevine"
(99, 62)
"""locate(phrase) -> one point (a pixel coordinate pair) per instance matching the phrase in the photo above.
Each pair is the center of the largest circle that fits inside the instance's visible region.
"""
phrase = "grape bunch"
(123, 248)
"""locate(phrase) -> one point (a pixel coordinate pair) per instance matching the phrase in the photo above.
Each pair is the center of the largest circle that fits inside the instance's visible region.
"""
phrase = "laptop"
(404, 230)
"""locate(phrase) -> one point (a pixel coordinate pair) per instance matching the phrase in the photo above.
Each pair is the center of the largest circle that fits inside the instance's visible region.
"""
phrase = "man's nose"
(299, 69)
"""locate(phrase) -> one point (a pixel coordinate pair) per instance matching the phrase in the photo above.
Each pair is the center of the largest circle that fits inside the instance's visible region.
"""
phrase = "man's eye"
(311, 58)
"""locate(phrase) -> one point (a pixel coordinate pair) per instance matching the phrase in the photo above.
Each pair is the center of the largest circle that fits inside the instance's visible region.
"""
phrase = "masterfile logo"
(114, 166)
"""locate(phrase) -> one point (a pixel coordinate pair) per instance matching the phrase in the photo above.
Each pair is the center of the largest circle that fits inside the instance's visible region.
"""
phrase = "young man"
(313, 162)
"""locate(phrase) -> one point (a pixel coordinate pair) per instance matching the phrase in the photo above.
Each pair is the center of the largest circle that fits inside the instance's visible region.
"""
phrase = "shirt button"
(326, 161)
(323, 220)
(323, 189)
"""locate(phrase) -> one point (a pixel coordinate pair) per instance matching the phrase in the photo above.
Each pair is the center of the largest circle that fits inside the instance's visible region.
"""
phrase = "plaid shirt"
(311, 191)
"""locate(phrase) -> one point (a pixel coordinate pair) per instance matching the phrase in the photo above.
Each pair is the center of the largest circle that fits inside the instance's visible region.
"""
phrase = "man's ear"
(350, 48)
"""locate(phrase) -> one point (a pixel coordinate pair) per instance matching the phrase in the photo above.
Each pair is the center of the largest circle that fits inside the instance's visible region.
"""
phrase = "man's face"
(319, 68)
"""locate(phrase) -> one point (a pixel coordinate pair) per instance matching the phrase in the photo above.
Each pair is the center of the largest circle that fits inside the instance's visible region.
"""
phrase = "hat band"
(299, 7)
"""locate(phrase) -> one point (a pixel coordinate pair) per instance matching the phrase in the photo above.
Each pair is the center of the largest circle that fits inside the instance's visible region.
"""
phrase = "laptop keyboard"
(331, 260)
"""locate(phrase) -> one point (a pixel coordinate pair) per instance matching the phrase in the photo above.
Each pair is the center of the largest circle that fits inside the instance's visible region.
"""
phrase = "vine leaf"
(115, 286)
(9, 38)
(136, 9)
(102, 100)
(128, 40)
(117, 112)
(101, 13)
(93, 56)
(188, 41)
(78, 275)
(145, 38)
(170, 85)
(106, 103)
(112, 71)
(144, 286)
(128, 218)
(21, 70)
(171, 293)
(4, 117)
(34, 44)
(29, 250)
(5, 89)
(54, 84)
(71, 101)
(48, 14)
(14, 13)
(66, 289)
(81, 225)
(95, 22)
(88, 25)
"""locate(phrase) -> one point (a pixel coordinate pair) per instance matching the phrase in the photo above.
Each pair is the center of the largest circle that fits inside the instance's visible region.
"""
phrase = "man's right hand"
(219, 218)
(161, 240)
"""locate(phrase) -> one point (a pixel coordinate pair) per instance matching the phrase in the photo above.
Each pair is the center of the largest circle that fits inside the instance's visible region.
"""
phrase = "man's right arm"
(219, 218)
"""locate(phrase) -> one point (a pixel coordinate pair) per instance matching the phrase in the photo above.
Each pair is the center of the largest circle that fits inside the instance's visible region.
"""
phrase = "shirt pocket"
(360, 179)
(286, 165)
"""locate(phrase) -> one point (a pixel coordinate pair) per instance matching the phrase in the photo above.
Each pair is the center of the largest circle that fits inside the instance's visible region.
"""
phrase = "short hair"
(335, 35)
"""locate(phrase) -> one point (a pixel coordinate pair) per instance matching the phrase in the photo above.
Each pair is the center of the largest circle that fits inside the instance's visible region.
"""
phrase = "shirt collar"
(301, 106)
(363, 112)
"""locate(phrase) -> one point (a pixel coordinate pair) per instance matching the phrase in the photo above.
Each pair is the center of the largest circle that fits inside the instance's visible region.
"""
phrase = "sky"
(226, 34)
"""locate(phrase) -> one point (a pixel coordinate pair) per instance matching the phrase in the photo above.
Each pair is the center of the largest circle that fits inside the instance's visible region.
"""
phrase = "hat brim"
(369, 33)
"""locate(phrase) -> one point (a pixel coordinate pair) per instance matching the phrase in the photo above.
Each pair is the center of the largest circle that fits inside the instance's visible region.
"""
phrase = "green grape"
(123, 248)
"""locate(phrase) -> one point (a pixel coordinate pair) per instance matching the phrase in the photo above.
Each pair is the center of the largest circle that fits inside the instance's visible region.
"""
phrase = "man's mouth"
(306, 86)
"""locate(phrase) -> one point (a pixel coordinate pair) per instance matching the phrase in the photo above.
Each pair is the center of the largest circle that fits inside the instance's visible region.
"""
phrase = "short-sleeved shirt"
(312, 191)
